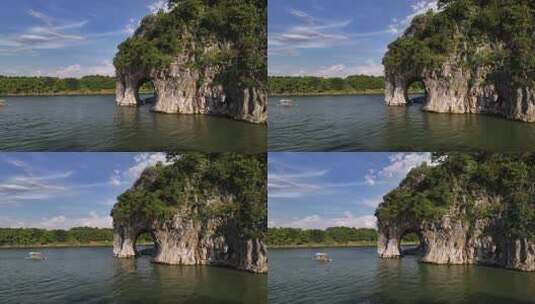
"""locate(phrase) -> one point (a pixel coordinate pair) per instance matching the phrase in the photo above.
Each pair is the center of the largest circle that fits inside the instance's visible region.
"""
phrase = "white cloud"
(30, 186)
(131, 26)
(106, 68)
(399, 167)
(93, 219)
(418, 7)
(311, 33)
(141, 162)
(342, 70)
(50, 34)
(318, 222)
(159, 5)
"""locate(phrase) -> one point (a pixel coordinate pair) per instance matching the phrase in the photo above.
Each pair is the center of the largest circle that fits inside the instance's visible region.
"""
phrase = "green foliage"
(508, 25)
(32, 236)
(428, 192)
(288, 85)
(192, 180)
(193, 24)
(334, 235)
(50, 85)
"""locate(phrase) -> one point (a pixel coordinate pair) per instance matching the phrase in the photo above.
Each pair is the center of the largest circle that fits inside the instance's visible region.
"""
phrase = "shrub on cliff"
(191, 180)
(427, 192)
(468, 25)
(191, 24)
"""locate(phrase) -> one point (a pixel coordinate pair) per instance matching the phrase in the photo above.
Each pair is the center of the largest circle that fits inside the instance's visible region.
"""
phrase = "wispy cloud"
(321, 222)
(287, 182)
(141, 162)
(418, 7)
(400, 165)
(312, 32)
(49, 34)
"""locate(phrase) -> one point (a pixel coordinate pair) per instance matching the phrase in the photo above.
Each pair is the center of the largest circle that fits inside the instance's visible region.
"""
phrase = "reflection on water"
(92, 275)
(364, 123)
(95, 123)
(356, 275)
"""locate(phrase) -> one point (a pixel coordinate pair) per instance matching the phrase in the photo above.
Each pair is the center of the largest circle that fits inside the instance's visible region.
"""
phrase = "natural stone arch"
(128, 85)
(390, 236)
(397, 86)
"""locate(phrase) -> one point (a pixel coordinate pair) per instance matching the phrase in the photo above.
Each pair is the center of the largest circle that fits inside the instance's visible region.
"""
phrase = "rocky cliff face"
(193, 235)
(191, 85)
(463, 80)
(460, 235)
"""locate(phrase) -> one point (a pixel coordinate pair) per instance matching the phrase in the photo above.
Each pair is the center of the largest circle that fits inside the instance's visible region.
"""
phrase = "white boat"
(286, 103)
(322, 257)
(2, 102)
(36, 256)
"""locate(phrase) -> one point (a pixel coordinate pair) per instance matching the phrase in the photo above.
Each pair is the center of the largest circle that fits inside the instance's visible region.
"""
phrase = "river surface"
(365, 123)
(92, 275)
(95, 123)
(356, 275)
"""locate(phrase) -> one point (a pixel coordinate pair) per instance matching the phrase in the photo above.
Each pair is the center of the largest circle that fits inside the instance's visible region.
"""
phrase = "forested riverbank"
(58, 238)
(330, 237)
(54, 86)
(320, 86)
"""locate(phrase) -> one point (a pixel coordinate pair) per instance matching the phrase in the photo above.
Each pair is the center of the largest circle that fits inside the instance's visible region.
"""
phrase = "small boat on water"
(36, 256)
(322, 257)
(2, 102)
(286, 103)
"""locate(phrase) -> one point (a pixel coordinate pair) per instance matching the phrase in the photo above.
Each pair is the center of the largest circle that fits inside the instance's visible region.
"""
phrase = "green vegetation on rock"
(428, 192)
(497, 34)
(236, 181)
(191, 26)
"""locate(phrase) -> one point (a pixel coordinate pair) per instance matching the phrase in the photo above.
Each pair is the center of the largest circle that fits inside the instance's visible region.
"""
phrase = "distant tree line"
(47, 85)
(20, 85)
(279, 85)
(77, 235)
(334, 235)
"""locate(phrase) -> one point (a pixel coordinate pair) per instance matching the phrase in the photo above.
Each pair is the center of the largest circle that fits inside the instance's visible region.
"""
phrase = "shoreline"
(69, 245)
(71, 93)
(335, 93)
(335, 245)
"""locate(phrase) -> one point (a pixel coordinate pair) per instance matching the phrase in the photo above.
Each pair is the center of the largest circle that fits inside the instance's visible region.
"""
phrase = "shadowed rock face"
(183, 88)
(187, 238)
(452, 240)
(458, 86)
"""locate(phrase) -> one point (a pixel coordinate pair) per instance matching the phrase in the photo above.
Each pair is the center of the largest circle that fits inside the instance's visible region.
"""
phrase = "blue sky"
(66, 38)
(321, 190)
(336, 37)
(64, 190)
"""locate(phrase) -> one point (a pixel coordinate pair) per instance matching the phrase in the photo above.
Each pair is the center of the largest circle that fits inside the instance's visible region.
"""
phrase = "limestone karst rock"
(198, 64)
(197, 214)
(467, 63)
(463, 214)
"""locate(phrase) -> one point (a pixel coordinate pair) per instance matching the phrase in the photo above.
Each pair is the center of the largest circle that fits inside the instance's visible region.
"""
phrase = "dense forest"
(95, 84)
(52, 85)
(308, 85)
(41, 237)
(281, 237)
(493, 34)
(427, 192)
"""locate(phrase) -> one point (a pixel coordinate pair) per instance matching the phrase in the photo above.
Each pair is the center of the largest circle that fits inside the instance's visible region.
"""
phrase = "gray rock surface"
(191, 239)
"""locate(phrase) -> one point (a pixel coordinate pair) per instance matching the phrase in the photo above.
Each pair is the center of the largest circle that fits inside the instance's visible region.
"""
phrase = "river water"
(92, 275)
(356, 275)
(365, 123)
(95, 123)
